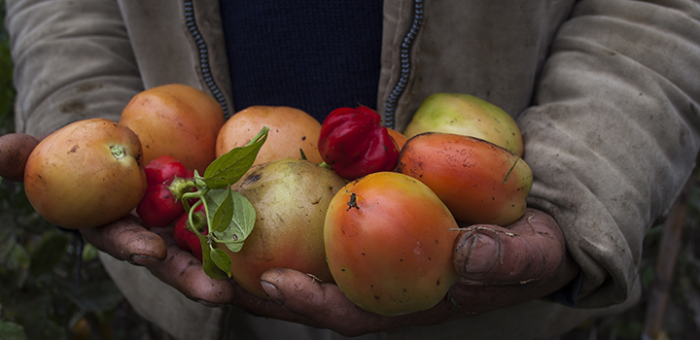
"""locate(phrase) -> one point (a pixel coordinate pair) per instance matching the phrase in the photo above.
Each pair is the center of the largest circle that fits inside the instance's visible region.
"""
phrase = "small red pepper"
(354, 143)
(164, 169)
(158, 207)
(185, 238)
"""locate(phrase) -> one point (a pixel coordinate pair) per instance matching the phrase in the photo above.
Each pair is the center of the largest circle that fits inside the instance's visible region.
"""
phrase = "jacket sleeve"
(73, 60)
(613, 135)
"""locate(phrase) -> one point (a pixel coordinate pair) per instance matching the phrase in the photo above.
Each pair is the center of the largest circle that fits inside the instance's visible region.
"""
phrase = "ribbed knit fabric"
(314, 55)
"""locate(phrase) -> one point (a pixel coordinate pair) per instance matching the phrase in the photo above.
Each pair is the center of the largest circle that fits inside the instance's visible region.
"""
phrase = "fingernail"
(143, 260)
(208, 303)
(272, 291)
(482, 256)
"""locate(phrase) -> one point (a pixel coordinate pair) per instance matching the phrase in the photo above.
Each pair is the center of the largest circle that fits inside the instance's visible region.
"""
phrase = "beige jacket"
(606, 93)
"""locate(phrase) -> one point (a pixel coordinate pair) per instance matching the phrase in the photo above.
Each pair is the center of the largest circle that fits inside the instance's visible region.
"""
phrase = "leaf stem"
(228, 242)
(190, 214)
(260, 134)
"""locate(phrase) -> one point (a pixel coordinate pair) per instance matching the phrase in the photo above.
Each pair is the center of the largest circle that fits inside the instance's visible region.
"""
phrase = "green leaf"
(230, 167)
(209, 266)
(11, 331)
(90, 296)
(241, 224)
(49, 253)
(19, 262)
(221, 259)
(224, 213)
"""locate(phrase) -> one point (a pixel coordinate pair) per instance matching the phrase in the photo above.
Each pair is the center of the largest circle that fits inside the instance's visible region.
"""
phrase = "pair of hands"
(500, 266)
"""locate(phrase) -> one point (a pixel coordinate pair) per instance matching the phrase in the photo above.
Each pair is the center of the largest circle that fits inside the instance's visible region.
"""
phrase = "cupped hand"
(500, 266)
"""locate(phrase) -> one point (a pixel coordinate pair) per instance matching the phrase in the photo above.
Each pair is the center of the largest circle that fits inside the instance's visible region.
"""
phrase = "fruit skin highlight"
(466, 115)
(479, 182)
(290, 197)
(86, 174)
(290, 130)
(176, 120)
(389, 242)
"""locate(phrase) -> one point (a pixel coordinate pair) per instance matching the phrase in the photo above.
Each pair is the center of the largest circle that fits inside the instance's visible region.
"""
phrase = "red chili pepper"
(185, 238)
(158, 207)
(164, 169)
(354, 143)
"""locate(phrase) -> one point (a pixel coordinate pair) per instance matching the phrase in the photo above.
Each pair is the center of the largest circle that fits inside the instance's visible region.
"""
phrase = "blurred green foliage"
(49, 281)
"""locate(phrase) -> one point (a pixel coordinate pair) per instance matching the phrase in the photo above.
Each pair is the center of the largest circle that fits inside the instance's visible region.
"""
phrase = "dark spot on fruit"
(342, 269)
(74, 148)
(353, 202)
(254, 177)
(376, 297)
(400, 260)
(303, 138)
(363, 253)
(438, 282)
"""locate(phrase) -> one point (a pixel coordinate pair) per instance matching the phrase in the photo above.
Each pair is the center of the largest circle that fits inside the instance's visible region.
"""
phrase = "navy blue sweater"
(314, 55)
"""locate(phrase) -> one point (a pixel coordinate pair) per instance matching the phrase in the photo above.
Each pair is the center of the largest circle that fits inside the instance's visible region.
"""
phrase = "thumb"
(14, 151)
(532, 248)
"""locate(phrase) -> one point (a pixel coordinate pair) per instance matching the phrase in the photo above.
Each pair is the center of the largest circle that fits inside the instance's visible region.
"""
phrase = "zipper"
(405, 61)
(191, 25)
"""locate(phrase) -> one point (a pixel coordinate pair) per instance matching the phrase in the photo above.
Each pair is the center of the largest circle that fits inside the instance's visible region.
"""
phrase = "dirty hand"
(499, 267)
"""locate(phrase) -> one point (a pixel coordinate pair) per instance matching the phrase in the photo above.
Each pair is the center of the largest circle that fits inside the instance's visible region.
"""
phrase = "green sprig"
(230, 216)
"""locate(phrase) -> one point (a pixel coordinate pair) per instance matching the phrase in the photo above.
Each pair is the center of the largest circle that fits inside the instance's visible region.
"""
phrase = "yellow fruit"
(87, 174)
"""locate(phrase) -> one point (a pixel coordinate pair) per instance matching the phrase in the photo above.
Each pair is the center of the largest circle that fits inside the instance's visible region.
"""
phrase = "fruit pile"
(348, 201)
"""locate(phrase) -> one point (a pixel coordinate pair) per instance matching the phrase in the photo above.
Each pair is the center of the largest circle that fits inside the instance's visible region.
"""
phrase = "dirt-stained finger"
(321, 304)
(127, 240)
(531, 249)
(14, 151)
(184, 272)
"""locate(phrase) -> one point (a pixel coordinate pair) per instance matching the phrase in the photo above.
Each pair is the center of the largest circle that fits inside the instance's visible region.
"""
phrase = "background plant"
(52, 284)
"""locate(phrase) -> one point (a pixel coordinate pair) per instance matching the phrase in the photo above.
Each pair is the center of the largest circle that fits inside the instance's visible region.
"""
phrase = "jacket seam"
(405, 62)
(203, 51)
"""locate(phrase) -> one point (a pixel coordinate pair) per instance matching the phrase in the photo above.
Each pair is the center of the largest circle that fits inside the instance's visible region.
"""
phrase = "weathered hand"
(14, 151)
(500, 267)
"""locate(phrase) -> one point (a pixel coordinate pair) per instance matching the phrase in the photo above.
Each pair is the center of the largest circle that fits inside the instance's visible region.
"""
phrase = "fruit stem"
(117, 151)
